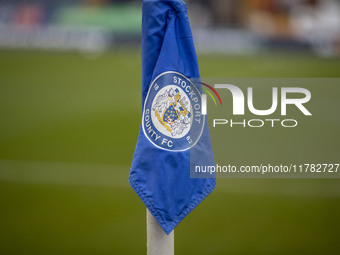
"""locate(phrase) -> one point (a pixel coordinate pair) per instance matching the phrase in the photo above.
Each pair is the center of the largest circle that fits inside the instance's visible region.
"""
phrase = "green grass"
(69, 125)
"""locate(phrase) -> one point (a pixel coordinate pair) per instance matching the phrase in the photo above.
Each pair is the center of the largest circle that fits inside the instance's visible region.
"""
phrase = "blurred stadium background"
(70, 116)
(218, 25)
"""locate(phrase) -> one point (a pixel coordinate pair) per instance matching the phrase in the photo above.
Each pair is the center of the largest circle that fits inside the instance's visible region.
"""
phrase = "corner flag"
(174, 135)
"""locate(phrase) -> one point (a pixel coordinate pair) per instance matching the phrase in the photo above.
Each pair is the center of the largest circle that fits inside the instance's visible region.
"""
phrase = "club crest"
(172, 117)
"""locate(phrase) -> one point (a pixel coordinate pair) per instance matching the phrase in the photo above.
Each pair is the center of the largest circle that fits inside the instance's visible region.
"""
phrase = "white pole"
(158, 243)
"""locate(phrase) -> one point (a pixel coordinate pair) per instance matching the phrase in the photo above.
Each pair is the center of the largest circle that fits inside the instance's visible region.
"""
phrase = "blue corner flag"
(174, 135)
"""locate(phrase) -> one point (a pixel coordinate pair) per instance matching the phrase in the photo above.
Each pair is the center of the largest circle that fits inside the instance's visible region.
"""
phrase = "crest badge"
(172, 118)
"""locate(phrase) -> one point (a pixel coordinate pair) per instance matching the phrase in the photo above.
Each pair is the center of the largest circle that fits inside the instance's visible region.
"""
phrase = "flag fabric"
(174, 135)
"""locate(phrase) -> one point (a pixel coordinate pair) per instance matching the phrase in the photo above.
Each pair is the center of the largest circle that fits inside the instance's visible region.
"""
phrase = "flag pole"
(158, 243)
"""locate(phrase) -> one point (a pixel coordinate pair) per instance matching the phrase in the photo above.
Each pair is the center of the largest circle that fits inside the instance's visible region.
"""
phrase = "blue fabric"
(161, 177)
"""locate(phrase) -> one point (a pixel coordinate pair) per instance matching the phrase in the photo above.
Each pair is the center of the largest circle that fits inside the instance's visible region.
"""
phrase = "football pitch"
(69, 125)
